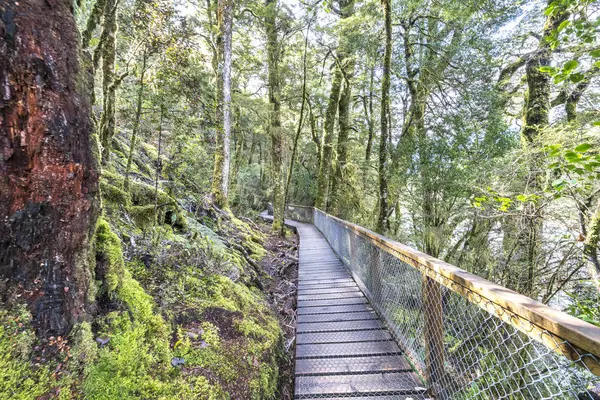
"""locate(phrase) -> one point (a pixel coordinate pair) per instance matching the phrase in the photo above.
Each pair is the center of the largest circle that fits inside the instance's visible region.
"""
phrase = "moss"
(143, 216)
(108, 248)
(150, 151)
(19, 378)
(84, 348)
(113, 194)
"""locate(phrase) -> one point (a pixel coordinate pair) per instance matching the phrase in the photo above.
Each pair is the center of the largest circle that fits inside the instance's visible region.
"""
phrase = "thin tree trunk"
(136, 122)
(48, 170)
(92, 22)
(590, 246)
(220, 181)
(368, 107)
(316, 137)
(301, 117)
(109, 83)
(383, 221)
(158, 162)
(275, 129)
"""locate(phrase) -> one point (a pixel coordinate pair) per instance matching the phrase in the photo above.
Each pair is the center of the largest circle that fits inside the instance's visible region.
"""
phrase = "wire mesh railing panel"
(464, 345)
(300, 213)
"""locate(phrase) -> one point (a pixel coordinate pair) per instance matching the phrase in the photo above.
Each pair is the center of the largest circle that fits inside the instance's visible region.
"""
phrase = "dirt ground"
(281, 264)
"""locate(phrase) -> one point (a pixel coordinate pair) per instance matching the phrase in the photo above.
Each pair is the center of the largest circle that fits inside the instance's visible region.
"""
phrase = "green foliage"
(574, 169)
(585, 308)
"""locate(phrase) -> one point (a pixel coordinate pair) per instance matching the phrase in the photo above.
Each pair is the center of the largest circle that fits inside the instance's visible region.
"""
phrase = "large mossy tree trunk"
(346, 9)
(527, 251)
(340, 182)
(275, 129)
(48, 169)
(383, 217)
(220, 180)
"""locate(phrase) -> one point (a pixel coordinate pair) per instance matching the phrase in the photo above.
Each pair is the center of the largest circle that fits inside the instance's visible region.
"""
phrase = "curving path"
(343, 350)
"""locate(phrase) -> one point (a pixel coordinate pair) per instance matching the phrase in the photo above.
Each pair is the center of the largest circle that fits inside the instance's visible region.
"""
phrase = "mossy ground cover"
(175, 312)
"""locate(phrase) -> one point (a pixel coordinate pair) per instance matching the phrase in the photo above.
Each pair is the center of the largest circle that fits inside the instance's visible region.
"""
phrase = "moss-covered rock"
(113, 194)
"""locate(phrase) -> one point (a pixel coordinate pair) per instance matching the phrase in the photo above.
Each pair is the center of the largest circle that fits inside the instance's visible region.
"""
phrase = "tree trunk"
(316, 134)
(337, 189)
(275, 130)
(220, 181)
(136, 122)
(323, 180)
(382, 220)
(326, 157)
(368, 107)
(590, 246)
(109, 83)
(92, 22)
(537, 109)
(48, 169)
(300, 118)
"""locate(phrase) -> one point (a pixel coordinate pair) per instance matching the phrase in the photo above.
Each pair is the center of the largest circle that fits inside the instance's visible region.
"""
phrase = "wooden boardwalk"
(343, 350)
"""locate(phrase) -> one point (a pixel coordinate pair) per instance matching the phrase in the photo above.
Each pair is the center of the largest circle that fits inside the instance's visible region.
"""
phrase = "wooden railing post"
(434, 333)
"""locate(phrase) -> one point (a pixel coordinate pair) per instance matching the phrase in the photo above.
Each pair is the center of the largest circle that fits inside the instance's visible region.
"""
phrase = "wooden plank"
(402, 383)
(335, 309)
(583, 337)
(343, 337)
(332, 302)
(347, 350)
(350, 365)
(338, 326)
(356, 316)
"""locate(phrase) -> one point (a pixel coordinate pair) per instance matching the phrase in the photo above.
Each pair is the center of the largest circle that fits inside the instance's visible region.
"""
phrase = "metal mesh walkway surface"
(343, 349)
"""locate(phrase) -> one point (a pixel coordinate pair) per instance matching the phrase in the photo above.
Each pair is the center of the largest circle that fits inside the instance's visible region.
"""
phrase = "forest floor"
(281, 264)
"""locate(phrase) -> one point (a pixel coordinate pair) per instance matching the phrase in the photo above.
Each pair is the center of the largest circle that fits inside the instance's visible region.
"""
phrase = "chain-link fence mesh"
(462, 345)
(299, 213)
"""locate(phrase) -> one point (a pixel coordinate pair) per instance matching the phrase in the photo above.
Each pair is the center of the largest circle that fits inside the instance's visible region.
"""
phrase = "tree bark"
(220, 181)
(48, 169)
(109, 83)
(136, 122)
(300, 118)
(537, 109)
(92, 22)
(368, 107)
(346, 8)
(590, 246)
(383, 221)
(275, 129)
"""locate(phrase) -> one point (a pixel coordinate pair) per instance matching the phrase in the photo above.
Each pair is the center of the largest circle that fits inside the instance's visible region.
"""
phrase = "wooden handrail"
(574, 338)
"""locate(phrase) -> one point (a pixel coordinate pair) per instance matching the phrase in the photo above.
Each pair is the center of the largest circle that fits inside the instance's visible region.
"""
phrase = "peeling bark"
(48, 169)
